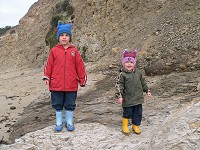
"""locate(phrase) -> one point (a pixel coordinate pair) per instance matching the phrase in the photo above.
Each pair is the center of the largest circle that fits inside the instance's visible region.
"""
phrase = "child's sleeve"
(48, 67)
(119, 86)
(80, 69)
(144, 84)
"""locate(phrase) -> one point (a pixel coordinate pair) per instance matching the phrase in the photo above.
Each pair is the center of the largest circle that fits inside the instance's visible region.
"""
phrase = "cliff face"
(24, 45)
(165, 32)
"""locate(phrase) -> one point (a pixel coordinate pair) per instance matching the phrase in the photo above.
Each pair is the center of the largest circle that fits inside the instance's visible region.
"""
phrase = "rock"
(157, 68)
(198, 86)
(12, 107)
(177, 129)
(174, 38)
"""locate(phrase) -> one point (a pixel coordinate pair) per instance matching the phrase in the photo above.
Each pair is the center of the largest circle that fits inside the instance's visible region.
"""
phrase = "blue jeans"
(134, 113)
(60, 99)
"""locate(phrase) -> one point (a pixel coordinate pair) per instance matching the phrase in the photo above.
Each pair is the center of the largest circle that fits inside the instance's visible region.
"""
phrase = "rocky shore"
(177, 131)
(170, 120)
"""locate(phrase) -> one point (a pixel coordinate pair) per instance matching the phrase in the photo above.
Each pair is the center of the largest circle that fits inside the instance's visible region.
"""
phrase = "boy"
(63, 71)
(130, 87)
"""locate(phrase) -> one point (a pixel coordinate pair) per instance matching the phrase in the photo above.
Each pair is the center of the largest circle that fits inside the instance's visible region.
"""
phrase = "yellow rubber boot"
(136, 129)
(125, 128)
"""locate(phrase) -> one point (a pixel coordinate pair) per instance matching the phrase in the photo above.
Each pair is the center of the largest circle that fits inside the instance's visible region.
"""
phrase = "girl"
(130, 87)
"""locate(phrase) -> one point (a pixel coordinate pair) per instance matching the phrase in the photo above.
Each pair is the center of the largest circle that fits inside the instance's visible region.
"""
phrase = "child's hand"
(120, 100)
(149, 94)
(82, 85)
(46, 82)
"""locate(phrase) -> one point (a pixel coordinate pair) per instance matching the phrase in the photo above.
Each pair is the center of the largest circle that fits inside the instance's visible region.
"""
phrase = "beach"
(18, 88)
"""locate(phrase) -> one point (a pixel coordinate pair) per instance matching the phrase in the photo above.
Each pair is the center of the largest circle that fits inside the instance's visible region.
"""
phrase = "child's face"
(129, 66)
(64, 39)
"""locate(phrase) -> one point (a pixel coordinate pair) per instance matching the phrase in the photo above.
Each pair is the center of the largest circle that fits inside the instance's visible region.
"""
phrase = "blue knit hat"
(63, 28)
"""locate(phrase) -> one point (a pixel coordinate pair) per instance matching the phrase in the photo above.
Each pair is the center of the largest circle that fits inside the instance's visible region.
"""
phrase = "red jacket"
(65, 69)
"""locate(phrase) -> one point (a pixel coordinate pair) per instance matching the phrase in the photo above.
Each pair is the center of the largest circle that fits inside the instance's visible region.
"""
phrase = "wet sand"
(18, 88)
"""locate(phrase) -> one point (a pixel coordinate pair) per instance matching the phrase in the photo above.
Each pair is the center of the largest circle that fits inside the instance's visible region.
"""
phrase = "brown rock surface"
(166, 34)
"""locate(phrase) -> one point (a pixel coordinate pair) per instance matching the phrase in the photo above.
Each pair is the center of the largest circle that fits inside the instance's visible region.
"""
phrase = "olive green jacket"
(130, 86)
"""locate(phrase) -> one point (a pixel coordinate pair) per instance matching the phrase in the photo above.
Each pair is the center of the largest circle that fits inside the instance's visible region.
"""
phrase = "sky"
(11, 11)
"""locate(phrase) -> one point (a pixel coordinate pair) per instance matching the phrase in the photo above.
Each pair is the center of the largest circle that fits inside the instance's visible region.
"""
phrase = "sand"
(18, 88)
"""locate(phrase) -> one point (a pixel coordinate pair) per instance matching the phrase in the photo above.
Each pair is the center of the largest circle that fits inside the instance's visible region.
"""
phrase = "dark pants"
(60, 99)
(134, 113)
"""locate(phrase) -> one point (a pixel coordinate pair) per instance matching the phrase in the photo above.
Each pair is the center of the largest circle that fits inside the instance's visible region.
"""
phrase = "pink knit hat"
(129, 56)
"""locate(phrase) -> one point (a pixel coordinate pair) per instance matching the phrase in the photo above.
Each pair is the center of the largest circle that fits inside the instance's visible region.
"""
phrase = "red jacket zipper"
(65, 69)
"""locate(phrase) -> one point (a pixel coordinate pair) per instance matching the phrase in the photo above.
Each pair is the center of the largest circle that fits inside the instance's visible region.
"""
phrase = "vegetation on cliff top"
(4, 29)
(62, 11)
